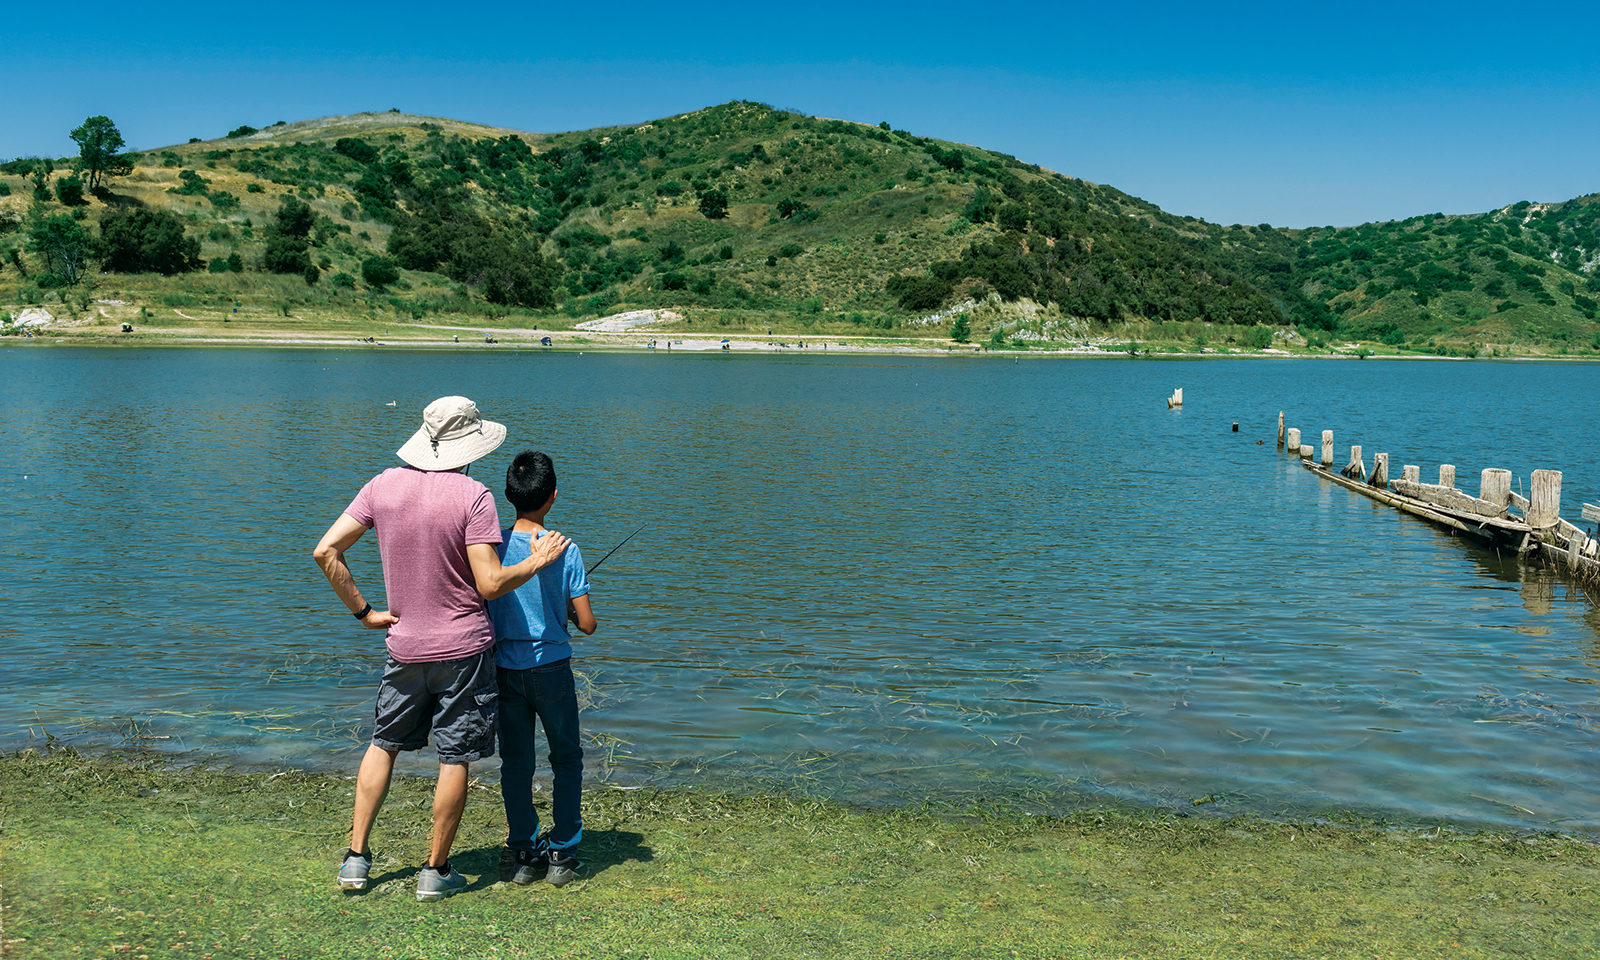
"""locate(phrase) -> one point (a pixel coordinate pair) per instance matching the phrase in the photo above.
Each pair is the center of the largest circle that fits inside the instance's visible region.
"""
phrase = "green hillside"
(749, 217)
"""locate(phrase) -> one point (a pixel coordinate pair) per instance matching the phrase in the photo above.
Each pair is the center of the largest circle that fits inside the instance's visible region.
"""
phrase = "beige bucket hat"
(453, 434)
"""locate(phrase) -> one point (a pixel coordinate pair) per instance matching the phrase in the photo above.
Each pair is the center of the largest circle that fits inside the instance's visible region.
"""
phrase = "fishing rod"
(614, 550)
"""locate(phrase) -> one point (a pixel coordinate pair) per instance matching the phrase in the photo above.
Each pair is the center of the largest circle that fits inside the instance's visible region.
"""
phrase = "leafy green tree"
(713, 204)
(288, 238)
(312, 274)
(243, 130)
(139, 240)
(356, 149)
(65, 247)
(961, 330)
(98, 141)
(39, 171)
(377, 271)
(69, 190)
(1013, 216)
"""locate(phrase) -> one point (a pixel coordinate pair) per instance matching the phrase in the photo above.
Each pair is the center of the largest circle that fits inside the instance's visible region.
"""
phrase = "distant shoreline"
(584, 341)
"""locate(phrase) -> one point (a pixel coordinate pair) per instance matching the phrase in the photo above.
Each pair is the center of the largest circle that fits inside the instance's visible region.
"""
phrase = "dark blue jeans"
(546, 693)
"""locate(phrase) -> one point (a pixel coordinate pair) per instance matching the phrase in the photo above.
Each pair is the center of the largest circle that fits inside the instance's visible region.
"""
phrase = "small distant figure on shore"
(455, 337)
(533, 665)
(438, 538)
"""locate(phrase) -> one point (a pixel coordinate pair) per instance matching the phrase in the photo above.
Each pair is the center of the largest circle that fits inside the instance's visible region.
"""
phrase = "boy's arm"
(579, 612)
(494, 580)
(329, 554)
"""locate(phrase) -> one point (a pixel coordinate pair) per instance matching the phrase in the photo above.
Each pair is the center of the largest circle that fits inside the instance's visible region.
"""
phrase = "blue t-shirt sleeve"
(577, 578)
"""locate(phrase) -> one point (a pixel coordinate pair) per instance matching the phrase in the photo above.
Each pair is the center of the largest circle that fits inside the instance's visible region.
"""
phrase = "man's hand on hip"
(379, 620)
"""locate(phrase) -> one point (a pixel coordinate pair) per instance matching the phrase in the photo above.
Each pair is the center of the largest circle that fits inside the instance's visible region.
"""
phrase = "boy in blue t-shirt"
(533, 663)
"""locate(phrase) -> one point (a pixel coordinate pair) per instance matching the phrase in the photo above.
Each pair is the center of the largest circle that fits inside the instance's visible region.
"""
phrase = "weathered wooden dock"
(1497, 515)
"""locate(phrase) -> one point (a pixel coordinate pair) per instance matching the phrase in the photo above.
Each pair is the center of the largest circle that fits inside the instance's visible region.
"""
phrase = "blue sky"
(1238, 113)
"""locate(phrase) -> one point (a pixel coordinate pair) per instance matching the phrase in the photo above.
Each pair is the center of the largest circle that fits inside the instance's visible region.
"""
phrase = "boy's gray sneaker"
(436, 883)
(353, 871)
(563, 867)
(527, 866)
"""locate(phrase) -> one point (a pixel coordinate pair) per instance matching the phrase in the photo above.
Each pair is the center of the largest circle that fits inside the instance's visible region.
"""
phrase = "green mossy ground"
(130, 858)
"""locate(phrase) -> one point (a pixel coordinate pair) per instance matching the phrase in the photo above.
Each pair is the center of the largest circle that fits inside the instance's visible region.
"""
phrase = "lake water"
(874, 578)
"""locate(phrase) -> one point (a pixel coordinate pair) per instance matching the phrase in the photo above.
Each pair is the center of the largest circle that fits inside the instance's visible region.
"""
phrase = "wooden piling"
(1411, 473)
(1327, 448)
(1280, 431)
(1447, 475)
(1380, 471)
(1357, 470)
(1544, 507)
(1294, 439)
(1305, 451)
(1495, 486)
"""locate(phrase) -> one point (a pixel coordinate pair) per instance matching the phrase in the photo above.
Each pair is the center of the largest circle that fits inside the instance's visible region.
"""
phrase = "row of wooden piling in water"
(1536, 526)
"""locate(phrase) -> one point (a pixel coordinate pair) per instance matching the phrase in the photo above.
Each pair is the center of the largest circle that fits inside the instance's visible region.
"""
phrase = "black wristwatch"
(362, 613)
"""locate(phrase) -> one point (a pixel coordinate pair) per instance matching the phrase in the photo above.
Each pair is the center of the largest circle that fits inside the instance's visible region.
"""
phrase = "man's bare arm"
(494, 580)
(329, 554)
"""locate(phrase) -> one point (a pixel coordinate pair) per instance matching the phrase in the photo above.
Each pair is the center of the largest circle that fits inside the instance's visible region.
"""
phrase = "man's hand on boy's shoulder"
(548, 548)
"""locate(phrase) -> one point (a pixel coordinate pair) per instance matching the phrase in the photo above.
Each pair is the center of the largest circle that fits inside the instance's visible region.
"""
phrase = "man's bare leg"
(449, 802)
(372, 786)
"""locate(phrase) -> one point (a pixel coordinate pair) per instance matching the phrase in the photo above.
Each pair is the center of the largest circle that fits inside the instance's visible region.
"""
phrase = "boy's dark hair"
(530, 480)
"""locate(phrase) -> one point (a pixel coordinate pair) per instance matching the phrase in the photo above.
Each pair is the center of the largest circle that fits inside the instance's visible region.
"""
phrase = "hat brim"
(421, 453)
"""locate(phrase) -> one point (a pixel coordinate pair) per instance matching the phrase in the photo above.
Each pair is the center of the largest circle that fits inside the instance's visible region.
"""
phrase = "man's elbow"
(324, 554)
(491, 590)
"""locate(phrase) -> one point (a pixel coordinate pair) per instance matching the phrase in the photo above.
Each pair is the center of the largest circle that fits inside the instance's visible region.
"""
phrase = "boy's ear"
(552, 500)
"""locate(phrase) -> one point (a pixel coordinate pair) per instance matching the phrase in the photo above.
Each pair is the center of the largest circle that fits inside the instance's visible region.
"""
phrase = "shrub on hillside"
(191, 184)
(713, 204)
(356, 149)
(289, 237)
(1013, 216)
(69, 190)
(377, 271)
(243, 130)
(140, 240)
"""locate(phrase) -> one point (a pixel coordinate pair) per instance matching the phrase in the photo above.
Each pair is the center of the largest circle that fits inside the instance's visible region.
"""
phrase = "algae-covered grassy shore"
(112, 857)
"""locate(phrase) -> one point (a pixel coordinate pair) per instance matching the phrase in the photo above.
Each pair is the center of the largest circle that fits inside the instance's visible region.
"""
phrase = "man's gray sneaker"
(527, 866)
(353, 871)
(436, 883)
(563, 868)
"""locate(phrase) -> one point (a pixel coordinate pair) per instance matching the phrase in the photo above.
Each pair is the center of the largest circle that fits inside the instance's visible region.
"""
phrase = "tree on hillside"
(289, 237)
(714, 204)
(147, 241)
(98, 141)
(379, 272)
(65, 247)
(69, 190)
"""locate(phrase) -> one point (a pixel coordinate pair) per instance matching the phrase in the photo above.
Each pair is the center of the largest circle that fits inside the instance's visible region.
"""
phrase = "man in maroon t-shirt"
(437, 534)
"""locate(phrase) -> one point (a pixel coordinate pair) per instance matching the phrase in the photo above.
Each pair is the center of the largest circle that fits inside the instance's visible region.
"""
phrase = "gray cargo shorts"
(456, 699)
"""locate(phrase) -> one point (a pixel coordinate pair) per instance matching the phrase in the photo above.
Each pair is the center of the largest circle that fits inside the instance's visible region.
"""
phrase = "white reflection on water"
(877, 578)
